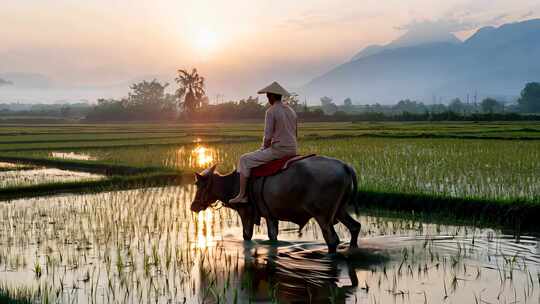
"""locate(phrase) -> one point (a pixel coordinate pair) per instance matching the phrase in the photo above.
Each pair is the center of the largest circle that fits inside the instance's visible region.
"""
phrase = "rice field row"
(494, 169)
(18, 178)
(476, 168)
(75, 131)
(125, 143)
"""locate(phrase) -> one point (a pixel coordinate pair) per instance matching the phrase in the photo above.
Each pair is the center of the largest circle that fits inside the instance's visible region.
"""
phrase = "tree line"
(151, 101)
(528, 102)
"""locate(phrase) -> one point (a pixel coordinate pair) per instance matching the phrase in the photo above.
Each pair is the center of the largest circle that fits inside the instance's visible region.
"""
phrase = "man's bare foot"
(239, 200)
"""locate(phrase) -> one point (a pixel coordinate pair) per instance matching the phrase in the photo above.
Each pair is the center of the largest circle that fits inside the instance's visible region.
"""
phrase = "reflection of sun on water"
(205, 236)
(202, 156)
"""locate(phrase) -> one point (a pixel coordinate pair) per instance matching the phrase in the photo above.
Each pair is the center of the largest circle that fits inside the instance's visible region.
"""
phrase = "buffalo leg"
(246, 216)
(273, 225)
(352, 225)
(329, 234)
(247, 232)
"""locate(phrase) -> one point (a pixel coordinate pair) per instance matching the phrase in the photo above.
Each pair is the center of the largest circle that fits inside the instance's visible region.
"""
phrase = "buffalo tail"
(353, 199)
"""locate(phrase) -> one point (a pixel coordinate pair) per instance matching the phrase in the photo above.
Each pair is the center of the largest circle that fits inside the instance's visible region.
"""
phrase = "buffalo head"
(204, 196)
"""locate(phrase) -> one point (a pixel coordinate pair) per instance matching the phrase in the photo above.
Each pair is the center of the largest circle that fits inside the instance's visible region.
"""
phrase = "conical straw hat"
(274, 88)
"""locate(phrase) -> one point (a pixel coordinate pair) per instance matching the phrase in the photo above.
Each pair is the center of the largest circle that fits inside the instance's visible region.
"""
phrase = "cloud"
(497, 19)
(527, 14)
(480, 13)
(319, 18)
(306, 21)
(441, 25)
(467, 18)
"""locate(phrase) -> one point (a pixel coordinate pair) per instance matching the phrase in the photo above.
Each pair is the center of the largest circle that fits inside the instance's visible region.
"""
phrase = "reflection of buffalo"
(297, 275)
(316, 187)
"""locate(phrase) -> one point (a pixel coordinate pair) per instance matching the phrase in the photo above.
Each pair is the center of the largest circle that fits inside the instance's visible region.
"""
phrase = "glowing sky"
(238, 45)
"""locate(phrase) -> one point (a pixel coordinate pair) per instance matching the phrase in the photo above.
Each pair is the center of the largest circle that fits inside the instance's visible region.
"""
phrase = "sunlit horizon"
(96, 49)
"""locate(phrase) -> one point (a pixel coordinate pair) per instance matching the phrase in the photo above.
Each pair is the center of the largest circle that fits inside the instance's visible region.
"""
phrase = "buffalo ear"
(206, 173)
(198, 176)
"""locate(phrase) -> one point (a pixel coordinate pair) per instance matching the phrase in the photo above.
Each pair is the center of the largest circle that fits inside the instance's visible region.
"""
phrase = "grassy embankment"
(484, 171)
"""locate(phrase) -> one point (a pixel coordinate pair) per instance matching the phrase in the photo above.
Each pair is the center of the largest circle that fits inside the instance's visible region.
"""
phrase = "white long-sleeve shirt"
(280, 126)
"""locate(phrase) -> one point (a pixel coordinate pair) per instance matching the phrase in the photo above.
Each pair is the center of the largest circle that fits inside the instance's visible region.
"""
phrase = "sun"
(206, 40)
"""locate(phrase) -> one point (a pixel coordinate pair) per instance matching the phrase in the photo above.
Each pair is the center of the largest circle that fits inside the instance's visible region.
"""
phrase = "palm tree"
(190, 92)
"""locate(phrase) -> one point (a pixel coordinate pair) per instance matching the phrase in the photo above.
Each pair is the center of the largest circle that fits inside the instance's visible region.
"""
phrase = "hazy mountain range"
(34, 87)
(27, 80)
(492, 62)
(410, 38)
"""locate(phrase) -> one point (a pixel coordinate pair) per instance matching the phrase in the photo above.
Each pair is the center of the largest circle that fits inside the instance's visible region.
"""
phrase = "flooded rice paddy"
(487, 169)
(72, 155)
(143, 246)
(5, 166)
(35, 176)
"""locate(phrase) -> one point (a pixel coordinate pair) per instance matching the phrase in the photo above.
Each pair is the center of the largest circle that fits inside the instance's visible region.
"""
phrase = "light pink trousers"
(256, 158)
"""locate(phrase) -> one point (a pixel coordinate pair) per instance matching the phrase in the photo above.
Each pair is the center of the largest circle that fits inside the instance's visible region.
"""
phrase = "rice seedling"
(37, 270)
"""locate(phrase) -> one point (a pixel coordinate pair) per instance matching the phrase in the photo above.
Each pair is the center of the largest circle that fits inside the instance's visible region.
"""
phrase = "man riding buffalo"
(279, 139)
(312, 186)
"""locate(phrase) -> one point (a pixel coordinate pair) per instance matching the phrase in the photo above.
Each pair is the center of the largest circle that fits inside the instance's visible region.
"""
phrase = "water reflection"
(289, 272)
(202, 156)
(145, 245)
(196, 157)
(205, 232)
(72, 155)
(5, 165)
(36, 176)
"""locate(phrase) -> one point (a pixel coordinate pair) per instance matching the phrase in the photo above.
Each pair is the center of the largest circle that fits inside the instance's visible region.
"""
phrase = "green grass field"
(474, 173)
(485, 161)
(495, 169)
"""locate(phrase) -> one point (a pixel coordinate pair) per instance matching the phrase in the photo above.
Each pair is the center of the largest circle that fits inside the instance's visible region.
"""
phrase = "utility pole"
(218, 97)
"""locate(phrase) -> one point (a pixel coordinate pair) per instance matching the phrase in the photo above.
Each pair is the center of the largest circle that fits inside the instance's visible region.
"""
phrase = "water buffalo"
(316, 187)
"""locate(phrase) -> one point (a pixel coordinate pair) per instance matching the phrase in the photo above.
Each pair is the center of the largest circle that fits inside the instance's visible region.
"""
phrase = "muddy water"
(146, 246)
